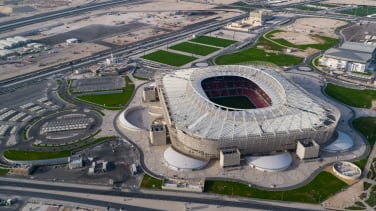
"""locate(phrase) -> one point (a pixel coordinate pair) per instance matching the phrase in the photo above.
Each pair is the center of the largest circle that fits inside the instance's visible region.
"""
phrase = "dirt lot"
(65, 53)
(362, 2)
(321, 26)
(105, 29)
(361, 33)
(300, 32)
(119, 158)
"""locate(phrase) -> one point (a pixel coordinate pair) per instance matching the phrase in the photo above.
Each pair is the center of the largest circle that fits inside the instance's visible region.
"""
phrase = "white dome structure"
(180, 162)
(277, 162)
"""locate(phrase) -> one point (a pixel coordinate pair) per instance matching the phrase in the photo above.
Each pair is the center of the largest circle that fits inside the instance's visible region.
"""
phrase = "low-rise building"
(158, 134)
(350, 56)
(75, 161)
(258, 17)
(149, 94)
(229, 157)
(307, 149)
(22, 170)
(72, 40)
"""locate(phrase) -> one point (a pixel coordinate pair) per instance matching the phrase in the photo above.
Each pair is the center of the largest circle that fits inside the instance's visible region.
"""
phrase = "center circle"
(235, 92)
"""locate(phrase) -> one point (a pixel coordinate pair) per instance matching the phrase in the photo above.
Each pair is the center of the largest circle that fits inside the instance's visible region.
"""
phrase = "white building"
(350, 56)
(307, 149)
(158, 134)
(71, 41)
(149, 94)
(229, 157)
(75, 161)
(258, 17)
(5, 53)
(255, 18)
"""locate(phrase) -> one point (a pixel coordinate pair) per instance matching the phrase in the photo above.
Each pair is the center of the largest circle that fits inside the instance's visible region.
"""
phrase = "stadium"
(255, 111)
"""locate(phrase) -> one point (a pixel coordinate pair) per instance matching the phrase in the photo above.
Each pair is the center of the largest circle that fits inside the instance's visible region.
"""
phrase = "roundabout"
(62, 127)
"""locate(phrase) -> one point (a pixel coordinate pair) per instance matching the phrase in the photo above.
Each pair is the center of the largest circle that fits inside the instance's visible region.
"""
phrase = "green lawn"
(325, 5)
(255, 54)
(319, 189)
(361, 10)
(241, 102)
(366, 126)
(328, 42)
(263, 51)
(214, 41)
(169, 58)
(14, 154)
(351, 97)
(236, 5)
(308, 8)
(113, 100)
(371, 201)
(151, 182)
(34, 155)
(361, 163)
(194, 48)
(3, 172)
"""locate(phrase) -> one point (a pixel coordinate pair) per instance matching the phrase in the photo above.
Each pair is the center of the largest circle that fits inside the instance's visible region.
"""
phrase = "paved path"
(296, 176)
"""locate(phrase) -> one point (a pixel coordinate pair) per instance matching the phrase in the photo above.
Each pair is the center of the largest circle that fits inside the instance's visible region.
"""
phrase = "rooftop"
(357, 52)
(191, 111)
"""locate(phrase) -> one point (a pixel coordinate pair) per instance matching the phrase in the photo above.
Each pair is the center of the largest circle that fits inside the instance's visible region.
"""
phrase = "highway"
(6, 188)
(128, 50)
(17, 23)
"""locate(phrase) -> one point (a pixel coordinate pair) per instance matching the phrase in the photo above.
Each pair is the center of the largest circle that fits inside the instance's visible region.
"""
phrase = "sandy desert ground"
(357, 2)
(300, 32)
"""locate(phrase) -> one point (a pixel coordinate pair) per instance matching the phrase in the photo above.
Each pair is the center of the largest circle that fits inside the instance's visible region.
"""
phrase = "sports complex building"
(214, 111)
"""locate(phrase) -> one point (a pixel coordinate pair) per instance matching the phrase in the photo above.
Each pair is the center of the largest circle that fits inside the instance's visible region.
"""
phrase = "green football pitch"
(240, 102)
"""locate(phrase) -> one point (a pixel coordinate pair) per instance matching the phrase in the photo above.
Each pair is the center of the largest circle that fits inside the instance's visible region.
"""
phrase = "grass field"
(35, 155)
(14, 154)
(169, 58)
(257, 54)
(351, 97)
(308, 8)
(328, 42)
(236, 5)
(325, 5)
(366, 126)
(214, 41)
(260, 55)
(194, 48)
(241, 102)
(114, 100)
(3, 172)
(319, 189)
(360, 10)
(151, 182)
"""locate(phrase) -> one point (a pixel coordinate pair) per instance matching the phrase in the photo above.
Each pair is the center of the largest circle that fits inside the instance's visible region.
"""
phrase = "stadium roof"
(191, 111)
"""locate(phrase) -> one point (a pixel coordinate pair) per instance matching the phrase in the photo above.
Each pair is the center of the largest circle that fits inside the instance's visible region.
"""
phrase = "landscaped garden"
(352, 97)
(194, 48)
(214, 41)
(169, 58)
(318, 190)
(113, 101)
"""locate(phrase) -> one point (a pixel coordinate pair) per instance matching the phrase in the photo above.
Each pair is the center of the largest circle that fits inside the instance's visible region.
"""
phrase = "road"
(128, 50)
(43, 17)
(7, 184)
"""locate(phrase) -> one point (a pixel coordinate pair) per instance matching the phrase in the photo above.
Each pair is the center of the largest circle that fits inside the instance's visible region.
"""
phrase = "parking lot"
(119, 156)
(95, 84)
